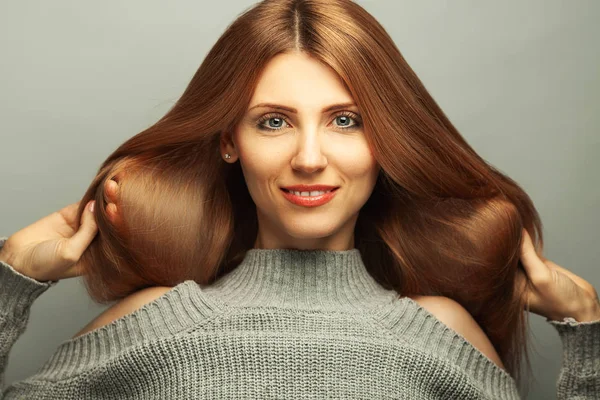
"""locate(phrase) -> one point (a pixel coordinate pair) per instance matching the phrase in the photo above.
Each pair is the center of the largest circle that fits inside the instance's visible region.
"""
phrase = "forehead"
(299, 81)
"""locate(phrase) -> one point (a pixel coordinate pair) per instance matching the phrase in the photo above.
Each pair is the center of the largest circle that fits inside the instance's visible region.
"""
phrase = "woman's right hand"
(50, 249)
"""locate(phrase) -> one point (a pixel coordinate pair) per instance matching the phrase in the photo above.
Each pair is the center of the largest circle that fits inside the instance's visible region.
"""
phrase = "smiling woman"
(318, 144)
(303, 222)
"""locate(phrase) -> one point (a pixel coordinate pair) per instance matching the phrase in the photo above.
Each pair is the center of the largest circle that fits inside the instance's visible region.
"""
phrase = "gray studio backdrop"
(519, 79)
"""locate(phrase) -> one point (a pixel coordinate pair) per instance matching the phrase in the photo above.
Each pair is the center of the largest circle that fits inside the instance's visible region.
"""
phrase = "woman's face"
(307, 146)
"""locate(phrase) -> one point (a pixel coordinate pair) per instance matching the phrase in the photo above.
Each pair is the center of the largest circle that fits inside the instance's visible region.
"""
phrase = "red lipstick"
(309, 188)
(310, 201)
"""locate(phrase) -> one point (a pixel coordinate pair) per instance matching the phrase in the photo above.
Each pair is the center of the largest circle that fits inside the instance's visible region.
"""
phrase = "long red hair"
(440, 221)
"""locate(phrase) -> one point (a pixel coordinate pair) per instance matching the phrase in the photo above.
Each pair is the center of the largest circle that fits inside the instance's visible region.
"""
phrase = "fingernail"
(92, 204)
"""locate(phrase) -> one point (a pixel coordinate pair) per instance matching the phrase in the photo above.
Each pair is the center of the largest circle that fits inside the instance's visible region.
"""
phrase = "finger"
(119, 177)
(80, 241)
(113, 214)
(531, 301)
(520, 280)
(536, 269)
(69, 213)
(111, 189)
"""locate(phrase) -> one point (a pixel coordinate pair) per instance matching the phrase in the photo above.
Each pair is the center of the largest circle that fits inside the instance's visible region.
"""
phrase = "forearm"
(17, 294)
(10, 331)
(579, 375)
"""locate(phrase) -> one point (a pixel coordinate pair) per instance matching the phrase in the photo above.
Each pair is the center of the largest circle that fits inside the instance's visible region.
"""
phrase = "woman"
(304, 222)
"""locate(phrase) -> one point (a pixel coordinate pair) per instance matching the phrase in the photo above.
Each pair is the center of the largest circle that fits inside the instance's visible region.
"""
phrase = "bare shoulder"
(457, 318)
(129, 304)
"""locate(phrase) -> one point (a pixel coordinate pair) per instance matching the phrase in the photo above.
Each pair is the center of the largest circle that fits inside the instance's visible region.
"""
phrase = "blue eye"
(279, 119)
(343, 117)
(276, 118)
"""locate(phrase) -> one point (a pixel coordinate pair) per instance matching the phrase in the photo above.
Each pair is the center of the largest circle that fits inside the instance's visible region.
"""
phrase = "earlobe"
(227, 148)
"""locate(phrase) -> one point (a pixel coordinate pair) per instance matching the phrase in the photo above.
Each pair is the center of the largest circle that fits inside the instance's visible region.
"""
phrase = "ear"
(227, 146)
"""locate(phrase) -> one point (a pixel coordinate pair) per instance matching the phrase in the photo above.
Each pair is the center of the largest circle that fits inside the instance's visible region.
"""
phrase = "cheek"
(359, 164)
(259, 170)
(258, 164)
(361, 169)
(250, 157)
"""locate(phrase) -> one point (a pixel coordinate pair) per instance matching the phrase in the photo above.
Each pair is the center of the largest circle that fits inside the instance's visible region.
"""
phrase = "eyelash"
(266, 117)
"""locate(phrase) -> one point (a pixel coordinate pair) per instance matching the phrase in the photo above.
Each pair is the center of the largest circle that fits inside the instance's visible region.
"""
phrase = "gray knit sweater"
(284, 324)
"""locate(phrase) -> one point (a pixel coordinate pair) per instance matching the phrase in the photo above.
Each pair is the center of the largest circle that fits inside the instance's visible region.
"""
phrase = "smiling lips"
(309, 188)
(323, 194)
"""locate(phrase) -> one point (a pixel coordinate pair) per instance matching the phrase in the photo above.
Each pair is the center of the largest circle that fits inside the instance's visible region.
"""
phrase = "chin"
(310, 232)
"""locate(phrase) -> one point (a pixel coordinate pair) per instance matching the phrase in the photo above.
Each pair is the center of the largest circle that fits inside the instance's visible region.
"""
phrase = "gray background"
(520, 79)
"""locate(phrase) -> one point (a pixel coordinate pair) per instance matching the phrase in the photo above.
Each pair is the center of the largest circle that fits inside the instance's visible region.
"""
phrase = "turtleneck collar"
(303, 279)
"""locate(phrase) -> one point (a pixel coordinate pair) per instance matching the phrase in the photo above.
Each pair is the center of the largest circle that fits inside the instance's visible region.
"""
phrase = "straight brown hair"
(440, 221)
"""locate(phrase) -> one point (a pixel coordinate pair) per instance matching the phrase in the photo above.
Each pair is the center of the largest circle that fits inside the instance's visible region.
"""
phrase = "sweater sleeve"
(17, 294)
(579, 376)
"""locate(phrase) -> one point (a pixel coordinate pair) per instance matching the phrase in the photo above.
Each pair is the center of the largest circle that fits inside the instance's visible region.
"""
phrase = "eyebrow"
(293, 110)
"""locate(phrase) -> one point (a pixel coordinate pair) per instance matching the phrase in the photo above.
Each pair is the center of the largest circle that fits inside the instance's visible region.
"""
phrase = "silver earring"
(227, 156)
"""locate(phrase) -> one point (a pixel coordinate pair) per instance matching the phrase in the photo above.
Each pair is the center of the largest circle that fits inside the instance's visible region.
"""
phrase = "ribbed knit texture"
(285, 324)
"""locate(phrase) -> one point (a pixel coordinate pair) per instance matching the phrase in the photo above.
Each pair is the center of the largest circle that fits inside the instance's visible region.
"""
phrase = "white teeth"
(310, 194)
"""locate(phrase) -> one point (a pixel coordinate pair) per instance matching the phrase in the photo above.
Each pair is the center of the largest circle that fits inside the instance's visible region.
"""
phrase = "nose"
(308, 157)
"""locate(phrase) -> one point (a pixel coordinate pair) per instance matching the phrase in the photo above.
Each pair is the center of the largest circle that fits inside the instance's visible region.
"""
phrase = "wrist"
(589, 313)
(5, 257)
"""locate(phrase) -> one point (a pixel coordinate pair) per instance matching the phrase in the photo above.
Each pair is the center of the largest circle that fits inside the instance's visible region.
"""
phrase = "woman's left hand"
(555, 292)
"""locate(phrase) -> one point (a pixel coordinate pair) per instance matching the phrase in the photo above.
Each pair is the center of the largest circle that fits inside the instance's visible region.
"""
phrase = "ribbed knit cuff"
(581, 345)
(17, 291)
